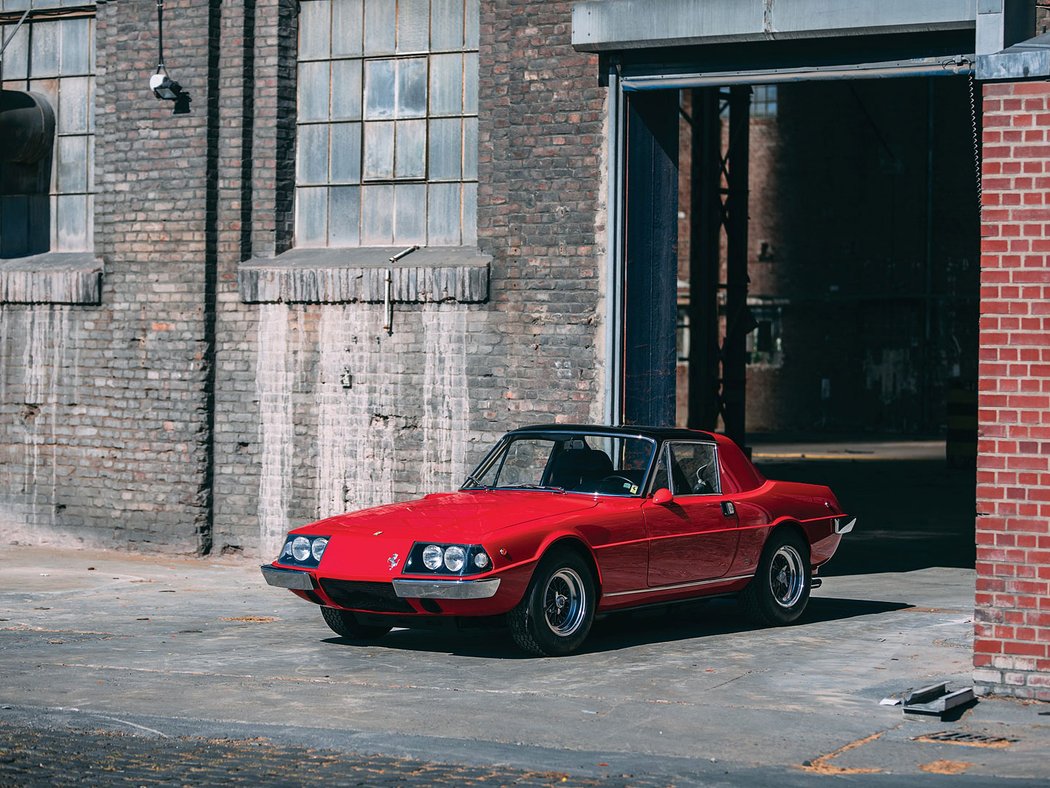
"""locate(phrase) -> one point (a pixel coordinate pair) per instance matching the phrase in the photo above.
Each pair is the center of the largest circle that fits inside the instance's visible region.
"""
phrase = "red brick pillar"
(1012, 617)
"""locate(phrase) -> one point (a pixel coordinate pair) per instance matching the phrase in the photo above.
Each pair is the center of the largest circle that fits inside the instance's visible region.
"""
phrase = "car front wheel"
(555, 615)
(344, 623)
(779, 591)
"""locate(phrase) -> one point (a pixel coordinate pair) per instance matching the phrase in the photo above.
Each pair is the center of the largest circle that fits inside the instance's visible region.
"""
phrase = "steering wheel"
(615, 485)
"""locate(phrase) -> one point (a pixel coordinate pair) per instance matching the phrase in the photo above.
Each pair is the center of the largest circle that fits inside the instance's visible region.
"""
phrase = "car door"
(694, 537)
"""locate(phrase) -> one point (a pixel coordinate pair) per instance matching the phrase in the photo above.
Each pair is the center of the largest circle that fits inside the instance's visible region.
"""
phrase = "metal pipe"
(388, 301)
(613, 410)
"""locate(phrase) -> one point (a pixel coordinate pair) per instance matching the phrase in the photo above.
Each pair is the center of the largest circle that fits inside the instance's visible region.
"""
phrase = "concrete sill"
(52, 278)
(334, 276)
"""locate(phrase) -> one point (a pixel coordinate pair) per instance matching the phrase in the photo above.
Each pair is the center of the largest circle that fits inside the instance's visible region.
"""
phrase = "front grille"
(376, 597)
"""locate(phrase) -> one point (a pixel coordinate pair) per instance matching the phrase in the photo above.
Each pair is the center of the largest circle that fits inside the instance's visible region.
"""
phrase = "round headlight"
(317, 548)
(433, 556)
(455, 557)
(481, 560)
(300, 548)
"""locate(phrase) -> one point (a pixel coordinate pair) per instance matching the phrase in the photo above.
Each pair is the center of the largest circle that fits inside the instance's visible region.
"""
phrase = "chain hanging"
(976, 139)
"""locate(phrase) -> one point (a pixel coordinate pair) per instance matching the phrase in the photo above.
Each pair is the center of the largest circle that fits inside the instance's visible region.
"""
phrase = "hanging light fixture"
(162, 85)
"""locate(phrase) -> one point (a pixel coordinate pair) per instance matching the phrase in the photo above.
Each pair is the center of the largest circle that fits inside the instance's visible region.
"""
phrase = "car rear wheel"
(556, 613)
(779, 591)
(344, 623)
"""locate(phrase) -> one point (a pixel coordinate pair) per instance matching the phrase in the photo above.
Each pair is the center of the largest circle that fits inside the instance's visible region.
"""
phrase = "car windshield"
(562, 462)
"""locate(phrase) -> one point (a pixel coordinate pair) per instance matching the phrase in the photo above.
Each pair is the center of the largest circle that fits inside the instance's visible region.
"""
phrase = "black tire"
(556, 613)
(779, 591)
(344, 623)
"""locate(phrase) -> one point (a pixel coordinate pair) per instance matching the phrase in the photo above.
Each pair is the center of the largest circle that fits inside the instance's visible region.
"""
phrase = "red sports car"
(562, 522)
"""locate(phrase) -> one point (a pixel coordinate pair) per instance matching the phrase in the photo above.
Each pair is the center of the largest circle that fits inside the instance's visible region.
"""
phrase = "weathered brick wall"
(1012, 628)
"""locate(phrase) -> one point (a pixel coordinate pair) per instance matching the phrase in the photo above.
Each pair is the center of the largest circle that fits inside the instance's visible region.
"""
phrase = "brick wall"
(1012, 627)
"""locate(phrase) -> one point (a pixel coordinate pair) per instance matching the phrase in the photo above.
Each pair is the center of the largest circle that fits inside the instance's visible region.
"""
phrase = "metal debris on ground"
(966, 739)
(935, 699)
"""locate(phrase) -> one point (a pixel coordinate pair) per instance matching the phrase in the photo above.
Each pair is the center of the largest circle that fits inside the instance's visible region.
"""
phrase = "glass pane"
(90, 244)
(311, 217)
(470, 214)
(313, 91)
(346, 153)
(379, 89)
(379, 151)
(347, 26)
(44, 50)
(412, 88)
(446, 146)
(71, 223)
(73, 105)
(470, 83)
(346, 90)
(76, 46)
(72, 165)
(377, 215)
(91, 164)
(473, 19)
(413, 25)
(380, 26)
(411, 214)
(312, 154)
(411, 149)
(446, 24)
(345, 216)
(15, 56)
(446, 84)
(443, 214)
(91, 104)
(470, 149)
(314, 29)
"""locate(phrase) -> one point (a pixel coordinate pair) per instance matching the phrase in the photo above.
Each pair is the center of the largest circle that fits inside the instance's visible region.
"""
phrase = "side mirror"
(662, 497)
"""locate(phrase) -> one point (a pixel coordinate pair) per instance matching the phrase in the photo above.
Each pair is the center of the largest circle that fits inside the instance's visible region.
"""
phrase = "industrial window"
(53, 57)
(387, 127)
(764, 101)
(765, 342)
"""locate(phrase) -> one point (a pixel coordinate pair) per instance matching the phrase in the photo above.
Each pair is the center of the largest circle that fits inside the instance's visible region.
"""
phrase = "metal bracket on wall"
(388, 301)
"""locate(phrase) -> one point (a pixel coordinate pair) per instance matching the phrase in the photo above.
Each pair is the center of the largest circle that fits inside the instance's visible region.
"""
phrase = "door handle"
(728, 510)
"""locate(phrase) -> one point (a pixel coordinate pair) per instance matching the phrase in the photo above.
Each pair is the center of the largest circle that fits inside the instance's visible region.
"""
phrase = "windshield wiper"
(477, 484)
(550, 487)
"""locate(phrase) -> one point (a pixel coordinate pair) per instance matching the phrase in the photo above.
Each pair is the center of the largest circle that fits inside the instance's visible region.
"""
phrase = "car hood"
(453, 517)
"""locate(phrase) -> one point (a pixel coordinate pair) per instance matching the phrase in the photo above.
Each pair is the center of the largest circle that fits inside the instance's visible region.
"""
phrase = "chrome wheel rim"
(564, 602)
(787, 578)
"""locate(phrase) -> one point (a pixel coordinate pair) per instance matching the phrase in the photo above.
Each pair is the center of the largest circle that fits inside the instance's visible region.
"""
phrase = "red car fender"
(529, 549)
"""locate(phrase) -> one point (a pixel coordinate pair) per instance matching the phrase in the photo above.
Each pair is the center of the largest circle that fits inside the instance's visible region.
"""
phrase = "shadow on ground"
(911, 514)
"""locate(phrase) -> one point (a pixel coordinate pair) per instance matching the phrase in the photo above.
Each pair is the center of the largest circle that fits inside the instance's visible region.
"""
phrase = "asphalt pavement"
(129, 669)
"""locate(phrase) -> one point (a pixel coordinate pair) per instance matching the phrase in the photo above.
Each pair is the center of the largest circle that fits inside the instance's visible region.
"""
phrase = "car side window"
(694, 469)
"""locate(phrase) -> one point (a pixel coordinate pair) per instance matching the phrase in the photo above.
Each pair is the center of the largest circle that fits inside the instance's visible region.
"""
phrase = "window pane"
(346, 153)
(44, 50)
(313, 91)
(311, 217)
(346, 90)
(91, 104)
(73, 105)
(345, 216)
(377, 215)
(470, 149)
(470, 83)
(347, 26)
(446, 84)
(72, 164)
(76, 46)
(312, 154)
(412, 88)
(413, 25)
(470, 214)
(16, 55)
(91, 165)
(71, 223)
(473, 14)
(446, 24)
(379, 89)
(446, 147)
(411, 149)
(443, 214)
(380, 26)
(411, 214)
(314, 29)
(379, 150)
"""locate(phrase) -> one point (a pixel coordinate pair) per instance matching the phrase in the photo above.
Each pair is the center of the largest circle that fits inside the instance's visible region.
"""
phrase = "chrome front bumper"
(287, 578)
(446, 589)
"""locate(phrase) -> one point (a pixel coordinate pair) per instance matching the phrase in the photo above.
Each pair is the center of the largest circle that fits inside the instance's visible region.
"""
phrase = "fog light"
(317, 548)
(300, 548)
(455, 557)
(433, 556)
(481, 560)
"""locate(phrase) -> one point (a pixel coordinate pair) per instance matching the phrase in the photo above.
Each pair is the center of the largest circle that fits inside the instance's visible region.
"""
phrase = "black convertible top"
(656, 433)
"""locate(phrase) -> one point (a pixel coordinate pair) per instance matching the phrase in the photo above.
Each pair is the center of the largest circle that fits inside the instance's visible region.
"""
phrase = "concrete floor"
(169, 647)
